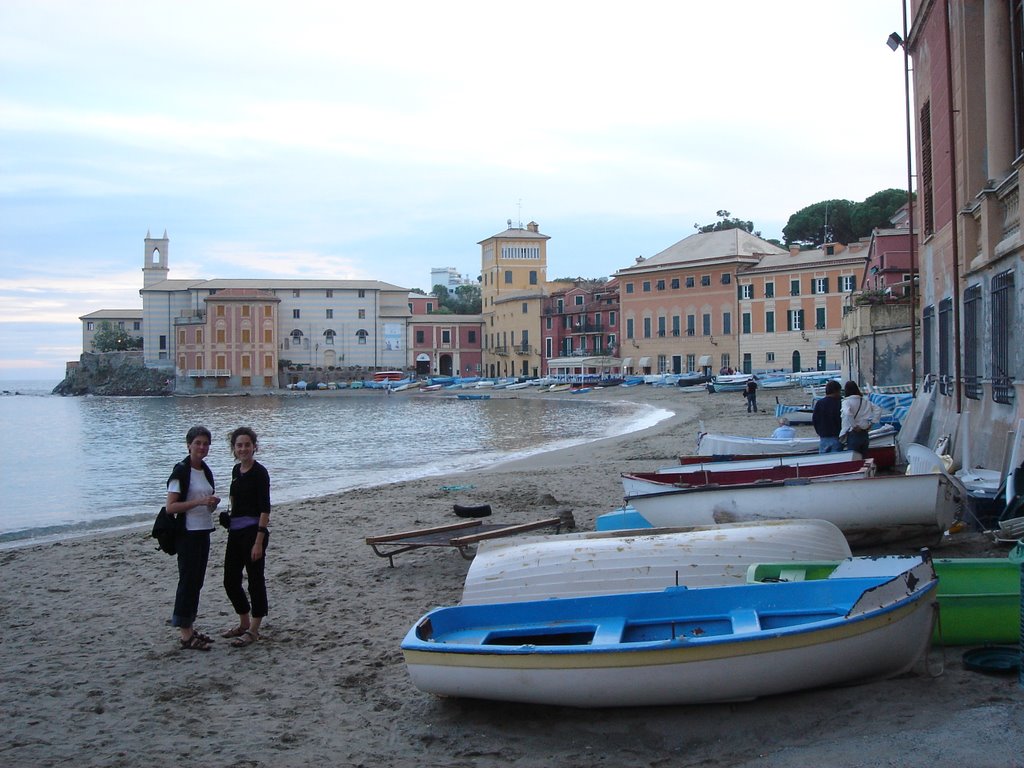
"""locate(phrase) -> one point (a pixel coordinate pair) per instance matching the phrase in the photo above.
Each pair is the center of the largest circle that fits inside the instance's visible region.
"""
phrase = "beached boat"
(884, 456)
(866, 509)
(979, 597)
(681, 646)
(710, 444)
(560, 387)
(597, 563)
(518, 385)
(715, 464)
(795, 414)
(388, 376)
(472, 396)
(643, 483)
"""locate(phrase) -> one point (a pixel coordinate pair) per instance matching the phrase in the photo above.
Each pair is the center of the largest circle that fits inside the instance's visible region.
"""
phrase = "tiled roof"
(702, 247)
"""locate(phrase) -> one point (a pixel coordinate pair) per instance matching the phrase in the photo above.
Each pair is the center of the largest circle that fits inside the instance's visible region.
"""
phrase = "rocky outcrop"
(114, 373)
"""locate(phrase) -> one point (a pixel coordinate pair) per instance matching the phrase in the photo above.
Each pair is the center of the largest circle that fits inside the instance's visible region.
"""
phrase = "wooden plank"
(508, 530)
(422, 532)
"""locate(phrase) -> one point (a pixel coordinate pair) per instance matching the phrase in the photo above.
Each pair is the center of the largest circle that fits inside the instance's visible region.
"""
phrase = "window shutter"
(800, 318)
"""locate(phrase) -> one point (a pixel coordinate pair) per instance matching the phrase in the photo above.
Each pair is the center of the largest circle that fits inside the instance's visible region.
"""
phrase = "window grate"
(1002, 322)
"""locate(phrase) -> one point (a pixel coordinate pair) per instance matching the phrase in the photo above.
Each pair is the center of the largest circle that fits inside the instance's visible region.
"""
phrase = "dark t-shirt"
(826, 417)
(250, 492)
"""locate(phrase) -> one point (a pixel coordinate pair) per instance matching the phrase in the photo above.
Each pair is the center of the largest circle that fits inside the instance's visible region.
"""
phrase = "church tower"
(154, 262)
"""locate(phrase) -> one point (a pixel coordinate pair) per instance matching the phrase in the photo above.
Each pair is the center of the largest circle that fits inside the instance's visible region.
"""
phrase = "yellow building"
(513, 274)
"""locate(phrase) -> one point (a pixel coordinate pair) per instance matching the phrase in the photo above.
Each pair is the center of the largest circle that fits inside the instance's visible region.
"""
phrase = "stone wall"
(114, 373)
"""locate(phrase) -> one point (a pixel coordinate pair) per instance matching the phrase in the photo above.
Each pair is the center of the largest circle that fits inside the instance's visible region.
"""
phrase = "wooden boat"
(388, 376)
(559, 387)
(681, 646)
(519, 385)
(883, 455)
(431, 388)
(866, 509)
(979, 597)
(795, 414)
(716, 464)
(643, 483)
(709, 444)
(470, 396)
(594, 563)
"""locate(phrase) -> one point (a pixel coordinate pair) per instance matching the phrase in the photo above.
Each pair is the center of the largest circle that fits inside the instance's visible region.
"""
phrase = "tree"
(466, 301)
(877, 211)
(808, 225)
(727, 221)
(110, 339)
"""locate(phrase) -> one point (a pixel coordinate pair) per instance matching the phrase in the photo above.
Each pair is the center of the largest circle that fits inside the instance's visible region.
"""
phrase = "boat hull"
(716, 444)
(582, 564)
(676, 647)
(869, 509)
(642, 483)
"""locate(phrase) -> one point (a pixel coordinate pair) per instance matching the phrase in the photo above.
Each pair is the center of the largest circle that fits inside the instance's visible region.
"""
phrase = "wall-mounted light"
(712, 340)
(804, 336)
(894, 41)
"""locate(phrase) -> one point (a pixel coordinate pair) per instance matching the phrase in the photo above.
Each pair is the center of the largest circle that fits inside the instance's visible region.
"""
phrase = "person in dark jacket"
(190, 493)
(827, 419)
(750, 392)
(247, 539)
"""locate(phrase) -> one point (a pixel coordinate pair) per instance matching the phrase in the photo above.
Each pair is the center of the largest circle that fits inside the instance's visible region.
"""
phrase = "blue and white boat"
(871, 619)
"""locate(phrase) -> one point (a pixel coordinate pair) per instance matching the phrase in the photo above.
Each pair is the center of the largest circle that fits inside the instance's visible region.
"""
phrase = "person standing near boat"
(858, 414)
(827, 418)
(190, 492)
(247, 538)
(750, 393)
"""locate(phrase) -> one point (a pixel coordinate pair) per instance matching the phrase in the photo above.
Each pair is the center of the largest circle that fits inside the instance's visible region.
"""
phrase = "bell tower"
(154, 260)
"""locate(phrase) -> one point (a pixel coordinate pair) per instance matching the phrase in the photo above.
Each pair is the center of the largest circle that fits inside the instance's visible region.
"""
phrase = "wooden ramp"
(460, 536)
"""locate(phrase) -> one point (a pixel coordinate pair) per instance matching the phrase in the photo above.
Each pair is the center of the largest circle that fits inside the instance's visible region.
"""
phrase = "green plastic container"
(979, 597)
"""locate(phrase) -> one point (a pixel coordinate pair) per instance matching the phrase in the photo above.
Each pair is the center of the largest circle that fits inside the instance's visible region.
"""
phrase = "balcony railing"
(208, 373)
(522, 349)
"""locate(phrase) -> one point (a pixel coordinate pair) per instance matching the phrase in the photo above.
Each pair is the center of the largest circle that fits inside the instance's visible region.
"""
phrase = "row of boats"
(741, 584)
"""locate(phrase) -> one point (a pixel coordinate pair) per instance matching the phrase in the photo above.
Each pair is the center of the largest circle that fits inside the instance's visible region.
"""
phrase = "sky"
(342, 140)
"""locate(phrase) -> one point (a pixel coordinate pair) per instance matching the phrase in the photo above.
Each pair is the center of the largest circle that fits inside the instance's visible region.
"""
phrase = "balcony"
(191, 317)
(209, 373)
(522, 349)
(500, 351)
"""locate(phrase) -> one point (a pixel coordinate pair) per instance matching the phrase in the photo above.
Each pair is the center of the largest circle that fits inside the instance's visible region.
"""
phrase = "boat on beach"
(711, 444)
(648, 560)
(643, 483)
(883, 455)
(870, 619)
(866, 509)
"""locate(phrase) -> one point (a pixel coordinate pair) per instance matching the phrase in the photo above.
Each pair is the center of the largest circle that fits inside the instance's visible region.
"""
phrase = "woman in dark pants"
(190, 493)
(247, 539)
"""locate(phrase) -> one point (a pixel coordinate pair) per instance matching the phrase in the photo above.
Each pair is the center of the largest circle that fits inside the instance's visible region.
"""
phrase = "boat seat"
(609, 631)
(744, 620)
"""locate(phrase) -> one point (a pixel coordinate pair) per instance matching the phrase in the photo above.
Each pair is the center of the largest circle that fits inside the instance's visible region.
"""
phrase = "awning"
(645, 362)
(626, 362)
(705, 360)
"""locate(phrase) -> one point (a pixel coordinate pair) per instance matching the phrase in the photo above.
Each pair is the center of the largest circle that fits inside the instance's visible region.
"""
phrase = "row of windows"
(329, 293)
(91, 325)
(520, 252)
(268, 310)
(220, 336)
(794, 322)
(222, 362)
(329, 314)
(819, 285)
(446, 336)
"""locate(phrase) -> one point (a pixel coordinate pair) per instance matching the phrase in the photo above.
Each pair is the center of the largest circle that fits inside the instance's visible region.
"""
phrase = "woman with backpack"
(190, 497)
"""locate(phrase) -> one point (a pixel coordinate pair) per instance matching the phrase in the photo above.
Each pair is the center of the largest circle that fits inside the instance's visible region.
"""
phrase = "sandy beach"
(92, 674)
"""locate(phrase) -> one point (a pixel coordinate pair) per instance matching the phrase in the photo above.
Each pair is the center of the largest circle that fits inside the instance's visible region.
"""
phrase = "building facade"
(444, 344)
(128, 320)
(581, 321)
(512, 289)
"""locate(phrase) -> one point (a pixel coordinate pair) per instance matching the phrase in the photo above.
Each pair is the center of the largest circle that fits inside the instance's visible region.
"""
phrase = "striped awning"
(645, 362)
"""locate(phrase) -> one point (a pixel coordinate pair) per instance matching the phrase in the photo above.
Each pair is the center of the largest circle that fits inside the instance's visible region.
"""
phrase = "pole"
(910, 209)
(954, 230)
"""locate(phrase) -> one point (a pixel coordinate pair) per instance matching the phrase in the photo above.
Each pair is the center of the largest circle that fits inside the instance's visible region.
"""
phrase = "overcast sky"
(377, 140)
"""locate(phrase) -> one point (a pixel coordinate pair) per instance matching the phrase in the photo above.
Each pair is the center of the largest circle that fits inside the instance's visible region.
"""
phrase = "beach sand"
(92, 674)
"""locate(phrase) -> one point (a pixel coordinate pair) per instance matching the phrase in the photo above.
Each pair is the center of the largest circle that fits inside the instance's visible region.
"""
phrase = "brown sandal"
(234, 632)
(248, 637)
(195, 643)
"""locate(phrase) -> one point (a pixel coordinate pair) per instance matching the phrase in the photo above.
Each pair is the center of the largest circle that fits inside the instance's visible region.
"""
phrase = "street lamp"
(894, 42)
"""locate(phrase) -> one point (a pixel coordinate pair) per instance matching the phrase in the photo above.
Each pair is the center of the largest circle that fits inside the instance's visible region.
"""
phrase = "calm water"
(73, 465)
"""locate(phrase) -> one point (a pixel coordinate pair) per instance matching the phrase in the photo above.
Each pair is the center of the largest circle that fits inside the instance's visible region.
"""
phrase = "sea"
(75, 466)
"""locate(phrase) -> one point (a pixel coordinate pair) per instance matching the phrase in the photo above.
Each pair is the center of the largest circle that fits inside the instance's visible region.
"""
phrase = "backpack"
(165, 531)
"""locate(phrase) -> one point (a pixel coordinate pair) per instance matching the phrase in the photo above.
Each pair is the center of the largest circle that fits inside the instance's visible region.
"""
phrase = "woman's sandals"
(247, 637)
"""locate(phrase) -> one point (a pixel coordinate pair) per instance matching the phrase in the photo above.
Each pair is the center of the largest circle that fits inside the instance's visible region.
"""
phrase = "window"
(330, 314)
(90, 325)
(945, 344)
(268, 336)
(246, 336)
(330, 293)
(430, 309)
(794, 287)
(769, 290)
(660, 285)
(446, 336)
(819, 285)
(329, 335)
(847, 283)
(769, 357)
(795, 320)
(689, 282)
(691, 325)
(769, 322)
(675, 283)
(819, 318)
(296, 314)
(661, 326)
(533, 277)
(925, 172)
(629, 287)
(746, 322)
(295, 293)
(220, 310)
(647, 327)
(706, 324)
(246, 309)
(675, 325)
(705, 279)
(508, 277)
(362, 314)
(747, 291)
(629, 329)
(120, 325)
(361, 293)
(973, 331)
(726, 323)
(526, 308)
(647, 286)
(611, 319)
(181, 338)
(471, 337)
(726, 279)
(268, 310)
(137, 325)
(199, 335)
(1002, 330)
(420, 337)
(361, 336)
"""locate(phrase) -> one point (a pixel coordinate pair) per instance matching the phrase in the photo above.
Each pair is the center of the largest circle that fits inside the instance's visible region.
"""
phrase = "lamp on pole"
(894, 42)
